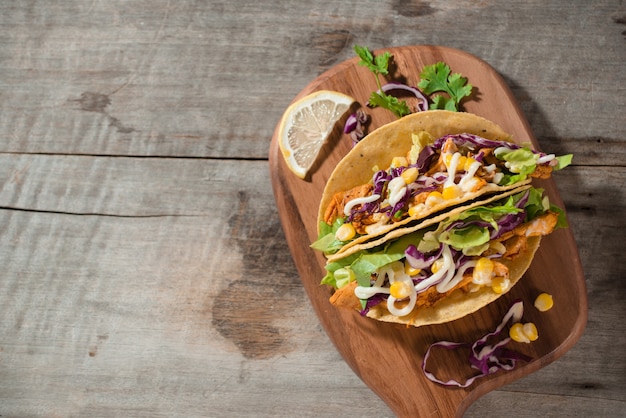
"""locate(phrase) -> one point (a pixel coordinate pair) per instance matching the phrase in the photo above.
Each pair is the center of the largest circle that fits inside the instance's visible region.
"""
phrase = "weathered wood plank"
(127, 186)
(144, 314)
(154, 308)
(195, 79)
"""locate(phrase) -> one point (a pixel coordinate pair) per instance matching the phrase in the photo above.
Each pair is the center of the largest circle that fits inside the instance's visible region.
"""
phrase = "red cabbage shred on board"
(393, 86)
(485, 358)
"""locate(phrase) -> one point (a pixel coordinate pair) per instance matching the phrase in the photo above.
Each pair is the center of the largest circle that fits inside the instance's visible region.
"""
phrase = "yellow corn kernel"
(462, 162)
(434, 198)
(410, 175)
(436, 266)
(523, 333)
(399, 162)
(409, 270)
(544, 302)
(530, 331)
(483, 271)
(451, 192)
(400, 289)
(468, 163)
(447, 159)
(516, 332)
(417, 210)
(345, 232)
(500, 284)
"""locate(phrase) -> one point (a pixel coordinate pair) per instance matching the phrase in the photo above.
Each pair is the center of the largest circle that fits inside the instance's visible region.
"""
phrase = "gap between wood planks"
(110, 215)
(163, 157)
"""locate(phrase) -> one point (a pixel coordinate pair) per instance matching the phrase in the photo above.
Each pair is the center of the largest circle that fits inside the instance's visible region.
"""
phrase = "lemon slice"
(307, 124)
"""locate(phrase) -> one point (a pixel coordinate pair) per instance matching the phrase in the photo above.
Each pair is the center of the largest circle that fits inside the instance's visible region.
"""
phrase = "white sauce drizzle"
(445, 286)
(469, 175)
(395, 272)
(446, 269)
(359, 201)
(454, 162)
(546, 159)
(397, 189)
(362, 292)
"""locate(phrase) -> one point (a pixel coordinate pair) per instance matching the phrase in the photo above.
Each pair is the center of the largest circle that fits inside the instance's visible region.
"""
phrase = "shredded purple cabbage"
(419, 260)
(373, 301)
(511, 221)
(422, 105)
(427, 184)
(485, 358)
(473, 142)
(425, 158)
(355, 125)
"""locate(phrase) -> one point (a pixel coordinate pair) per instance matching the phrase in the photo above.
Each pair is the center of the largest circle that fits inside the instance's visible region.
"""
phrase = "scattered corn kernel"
(410, 270)
(410, 175)
(500, 284)
(483, 271)
(400, 289)
(345, 232)
(451, 192)
(399, 162)
(530, 330)
(544, 302)
(523, 333)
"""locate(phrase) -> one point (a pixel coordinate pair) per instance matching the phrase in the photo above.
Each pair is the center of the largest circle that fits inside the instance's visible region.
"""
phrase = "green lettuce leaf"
(366, 262)
(461, 238)
(564, 161)
(326, 241)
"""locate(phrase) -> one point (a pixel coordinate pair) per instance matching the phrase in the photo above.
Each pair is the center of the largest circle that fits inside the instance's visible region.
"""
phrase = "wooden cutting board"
(388, 357)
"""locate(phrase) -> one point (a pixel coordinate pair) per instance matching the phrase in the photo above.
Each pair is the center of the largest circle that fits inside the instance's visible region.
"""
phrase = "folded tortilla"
(458, 156)
(446, 267)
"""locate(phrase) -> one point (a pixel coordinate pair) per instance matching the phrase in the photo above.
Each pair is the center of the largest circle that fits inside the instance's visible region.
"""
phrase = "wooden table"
(145, 272)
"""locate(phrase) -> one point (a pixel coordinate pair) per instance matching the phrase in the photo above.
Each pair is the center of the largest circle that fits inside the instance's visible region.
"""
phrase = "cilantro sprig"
(379, 64)
(438, 78)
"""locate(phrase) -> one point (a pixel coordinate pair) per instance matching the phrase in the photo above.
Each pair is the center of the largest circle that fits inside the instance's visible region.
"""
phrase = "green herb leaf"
(437, 78)
(379, 64)
(391, 103)
(382, 62)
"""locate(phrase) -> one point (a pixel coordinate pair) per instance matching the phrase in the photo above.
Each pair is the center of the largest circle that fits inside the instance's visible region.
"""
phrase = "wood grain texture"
(138, 227)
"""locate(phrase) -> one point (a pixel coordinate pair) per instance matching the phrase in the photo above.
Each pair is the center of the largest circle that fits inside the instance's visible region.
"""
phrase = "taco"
(448, 266)
(416, 167)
